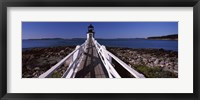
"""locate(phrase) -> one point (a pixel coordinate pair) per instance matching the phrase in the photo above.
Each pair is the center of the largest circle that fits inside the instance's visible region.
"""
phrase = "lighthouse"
(90, 32)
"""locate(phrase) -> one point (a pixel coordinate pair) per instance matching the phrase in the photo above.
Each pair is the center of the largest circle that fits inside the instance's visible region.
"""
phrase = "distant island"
(167, 37)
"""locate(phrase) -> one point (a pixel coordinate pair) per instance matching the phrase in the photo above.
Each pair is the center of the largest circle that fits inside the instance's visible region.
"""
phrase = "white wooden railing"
(107, 57)
(72, 60)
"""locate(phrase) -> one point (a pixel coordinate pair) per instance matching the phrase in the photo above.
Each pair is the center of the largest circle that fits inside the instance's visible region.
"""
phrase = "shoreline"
(36, 61)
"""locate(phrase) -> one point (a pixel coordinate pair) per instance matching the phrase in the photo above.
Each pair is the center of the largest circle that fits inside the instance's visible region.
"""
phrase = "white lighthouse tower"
(90, 32)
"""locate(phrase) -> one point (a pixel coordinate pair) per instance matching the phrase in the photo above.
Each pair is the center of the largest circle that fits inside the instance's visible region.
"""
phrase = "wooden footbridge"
(92, 60)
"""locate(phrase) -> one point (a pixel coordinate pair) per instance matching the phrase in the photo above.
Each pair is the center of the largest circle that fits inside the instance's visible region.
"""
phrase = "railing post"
(72, 66)
(111, 71)
(53, 68)
(107, 61)
(71, 60)
(106, 55)
(128, 68)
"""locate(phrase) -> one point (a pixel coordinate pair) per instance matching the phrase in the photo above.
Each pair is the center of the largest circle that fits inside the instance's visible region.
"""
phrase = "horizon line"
(97, 38)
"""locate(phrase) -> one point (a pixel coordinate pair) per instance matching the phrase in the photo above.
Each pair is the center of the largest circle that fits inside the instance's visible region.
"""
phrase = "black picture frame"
(98, 3)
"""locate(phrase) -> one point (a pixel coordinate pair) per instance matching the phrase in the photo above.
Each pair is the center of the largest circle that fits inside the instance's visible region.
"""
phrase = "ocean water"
(126, 43)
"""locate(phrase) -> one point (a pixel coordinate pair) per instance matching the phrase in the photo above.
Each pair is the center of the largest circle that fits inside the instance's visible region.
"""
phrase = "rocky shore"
(150, 62)
(36, 61)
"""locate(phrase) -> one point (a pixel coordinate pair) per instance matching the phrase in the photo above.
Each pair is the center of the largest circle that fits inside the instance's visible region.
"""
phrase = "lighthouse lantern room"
(90, 32)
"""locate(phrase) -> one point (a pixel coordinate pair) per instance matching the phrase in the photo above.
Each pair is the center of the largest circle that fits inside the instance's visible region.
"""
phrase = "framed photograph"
(73, 49)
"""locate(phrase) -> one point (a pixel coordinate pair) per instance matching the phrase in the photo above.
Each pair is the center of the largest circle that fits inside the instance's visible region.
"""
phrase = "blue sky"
(37, 30)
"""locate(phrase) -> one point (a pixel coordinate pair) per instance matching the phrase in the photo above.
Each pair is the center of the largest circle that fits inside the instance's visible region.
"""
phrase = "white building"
(90, 32)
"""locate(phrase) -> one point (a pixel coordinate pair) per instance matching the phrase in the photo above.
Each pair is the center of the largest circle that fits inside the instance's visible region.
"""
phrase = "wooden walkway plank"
(91, 65)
